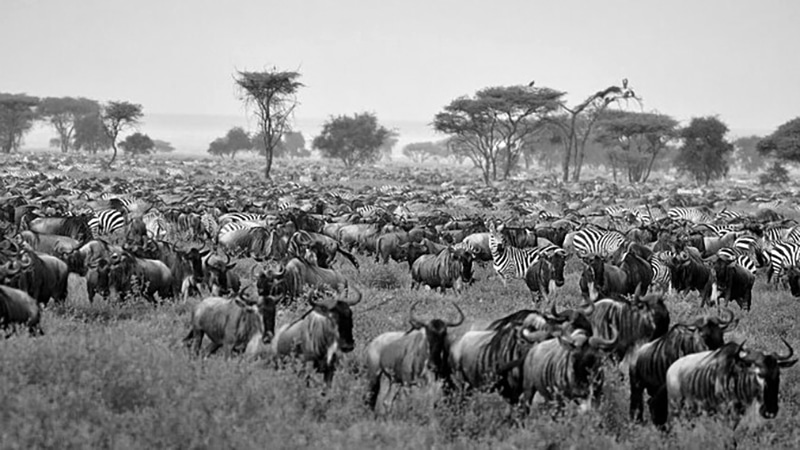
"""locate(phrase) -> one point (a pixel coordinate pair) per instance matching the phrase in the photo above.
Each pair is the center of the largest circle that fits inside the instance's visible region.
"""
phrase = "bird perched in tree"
(625, 83)
(531, 83)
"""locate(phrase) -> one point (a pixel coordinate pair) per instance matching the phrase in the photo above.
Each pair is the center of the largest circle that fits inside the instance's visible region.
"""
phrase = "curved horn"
(254, 266)
(412, 319)
(598, 342)
(358, 298)
(557, 316)
(534, 337)
(785, 357)
(25, 260)
(724, 324)
(280, 271)
(460, 320)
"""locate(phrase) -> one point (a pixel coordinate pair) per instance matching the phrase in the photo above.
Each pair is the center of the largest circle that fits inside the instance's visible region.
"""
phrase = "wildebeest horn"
(460, 320)
(254, 266)
(25, 260)
(534, 337)
(412, 319)
(780, 357)
(280, 271)
(357, 300)
(598, 342)
(724, 324)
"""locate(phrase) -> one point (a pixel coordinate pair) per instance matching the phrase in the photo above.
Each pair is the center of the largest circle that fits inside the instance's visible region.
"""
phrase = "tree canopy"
(704, 149)
(138, 144)
(635, 140)
(17, 114)
(116, 117)
(746, 154)
(235, 140)
(273, 93)
(64, 113)
(419, 152)
(494, 123)
(783, 143)
(355, 140)
(90, 134)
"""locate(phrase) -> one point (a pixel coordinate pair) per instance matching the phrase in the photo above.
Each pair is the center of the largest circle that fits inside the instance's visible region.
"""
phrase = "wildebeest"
(479, 358)
(76, 227)
(230, 323)
(688, 272)
(42, 276)
(390, 245)
(634, 272)
(730, 376)
(398, 359)
(447, 269)
(52, 244)
(793, 276)
(545, 274)
(640, 320)
(97, 278)
(320, 334)
(649, 363)
(16, 306)
(733, 283)
(324, 247)
(566, 367)
(152, 275)
(253, 241)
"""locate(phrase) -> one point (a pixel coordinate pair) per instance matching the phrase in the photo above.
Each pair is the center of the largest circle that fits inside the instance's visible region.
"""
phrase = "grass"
(118, 375)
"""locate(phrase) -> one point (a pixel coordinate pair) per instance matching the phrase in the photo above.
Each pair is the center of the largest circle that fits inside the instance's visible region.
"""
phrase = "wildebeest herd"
(250, 249)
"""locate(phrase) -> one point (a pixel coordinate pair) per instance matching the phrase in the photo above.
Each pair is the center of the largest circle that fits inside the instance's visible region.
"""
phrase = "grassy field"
(117, 375)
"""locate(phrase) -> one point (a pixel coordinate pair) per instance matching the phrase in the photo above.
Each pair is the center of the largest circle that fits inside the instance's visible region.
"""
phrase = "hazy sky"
(405, 60)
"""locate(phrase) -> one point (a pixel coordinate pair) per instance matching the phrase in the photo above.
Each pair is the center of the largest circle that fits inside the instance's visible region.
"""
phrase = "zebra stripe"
(742, 259)
(513, 262)
(241, 217)
(106, 221)
(694, 215)
(782, 256)
(659, 262)
(595, 241)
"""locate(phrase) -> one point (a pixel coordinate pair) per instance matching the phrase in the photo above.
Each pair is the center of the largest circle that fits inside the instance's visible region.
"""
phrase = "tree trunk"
(113, 156)
(567, 157)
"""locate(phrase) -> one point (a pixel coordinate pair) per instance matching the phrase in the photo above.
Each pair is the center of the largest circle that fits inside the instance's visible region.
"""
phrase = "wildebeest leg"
(382, 397)
(636, 403)
(659, 406)
(212, 348)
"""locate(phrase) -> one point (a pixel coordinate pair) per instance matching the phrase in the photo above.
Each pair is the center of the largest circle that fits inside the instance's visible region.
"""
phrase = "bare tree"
(272, 93)
(575, 126)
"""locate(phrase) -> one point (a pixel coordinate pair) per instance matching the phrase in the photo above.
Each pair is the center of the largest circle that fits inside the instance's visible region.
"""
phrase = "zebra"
(513, 262)
(370, 210)
(782, 255)
(694, 215)
(241, 217)
(727, 215)
(596, 241)
(662, 275)
(776, 234)
(738, 257)
(106, 221)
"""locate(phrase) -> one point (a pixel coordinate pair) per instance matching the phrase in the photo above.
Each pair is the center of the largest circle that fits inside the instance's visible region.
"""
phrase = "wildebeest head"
(217, 276)
(766, 367)
(654, 310)
(712, 329)
(436, 337)
(271, 281)
(194, 258)
(558, 259)
(339, 309)
(586, 354)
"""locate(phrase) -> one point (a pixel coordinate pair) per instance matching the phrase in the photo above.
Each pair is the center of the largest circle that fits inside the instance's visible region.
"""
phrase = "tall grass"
(118, 375)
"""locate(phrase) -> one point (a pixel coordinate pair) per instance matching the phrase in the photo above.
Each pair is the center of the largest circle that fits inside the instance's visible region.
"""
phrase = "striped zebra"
(742, 259)
(617, 211)
(233, 226)
(686, 214)
(241, 217)
(106, 222)
(596, 241)
(662, 275)
(370, 210)
(782, 256)
(727, 215)
(513, 262)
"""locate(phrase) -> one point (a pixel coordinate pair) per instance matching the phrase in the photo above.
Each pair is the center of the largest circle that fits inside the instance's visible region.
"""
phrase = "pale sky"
(405, 60)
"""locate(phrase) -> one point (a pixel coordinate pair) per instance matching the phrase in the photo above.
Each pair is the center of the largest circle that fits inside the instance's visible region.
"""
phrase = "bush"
(776, 174)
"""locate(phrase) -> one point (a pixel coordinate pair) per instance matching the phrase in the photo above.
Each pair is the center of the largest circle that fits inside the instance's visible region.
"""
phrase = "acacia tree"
(116, 117)
(576, 125)
(63, 113)
(783, 143)
(746, 154)
(90, 134)
(273, 93)
(635, 140)
(704, 149)
(355, 140)
(419, 152)
(494, 123)
(17, 114)
(138, 144)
